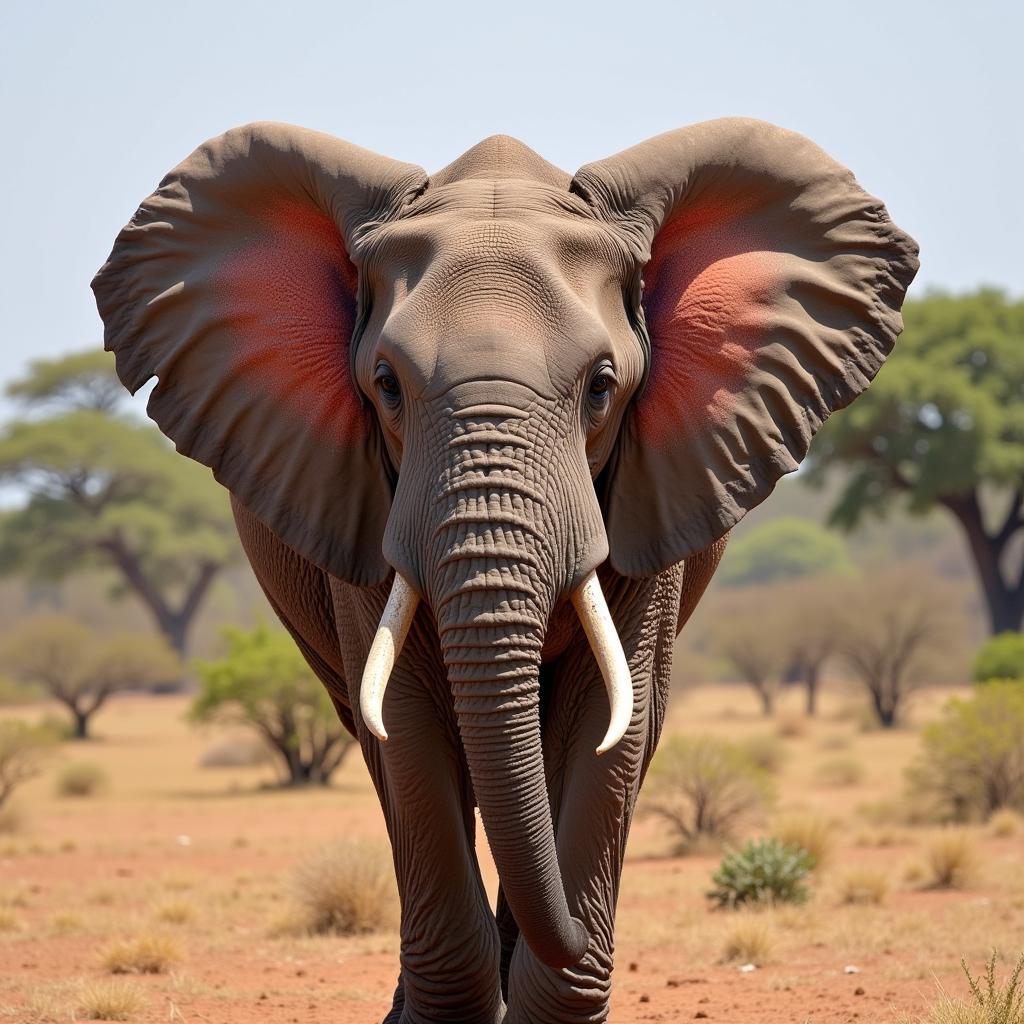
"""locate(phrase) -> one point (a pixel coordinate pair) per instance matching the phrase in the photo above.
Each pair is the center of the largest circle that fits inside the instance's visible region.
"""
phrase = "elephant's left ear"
(235, 284)
(771, 297)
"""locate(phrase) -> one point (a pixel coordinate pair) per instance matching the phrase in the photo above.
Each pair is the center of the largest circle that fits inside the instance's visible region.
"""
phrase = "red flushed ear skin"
(771, 297)
(234, 285)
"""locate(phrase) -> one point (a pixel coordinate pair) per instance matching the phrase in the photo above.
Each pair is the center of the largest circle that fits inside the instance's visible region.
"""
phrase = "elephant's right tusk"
(588, 599)
(387, 645)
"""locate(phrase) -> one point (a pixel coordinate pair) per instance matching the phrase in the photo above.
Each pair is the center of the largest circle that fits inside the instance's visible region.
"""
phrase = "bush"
(839, 771)
(1005, 823)
(972, 762)
(705, 788)
(235, 751)
(808, 832)
(764, 871)
(81, 779)
(23, 751)
(346, 888)
(1001, 657)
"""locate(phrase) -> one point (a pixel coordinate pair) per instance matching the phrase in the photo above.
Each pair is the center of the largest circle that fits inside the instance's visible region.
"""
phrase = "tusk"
(387, 645)
(588, 600)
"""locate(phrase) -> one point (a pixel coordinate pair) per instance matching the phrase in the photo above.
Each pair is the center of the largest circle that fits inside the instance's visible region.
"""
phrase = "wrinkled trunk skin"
(494, 563)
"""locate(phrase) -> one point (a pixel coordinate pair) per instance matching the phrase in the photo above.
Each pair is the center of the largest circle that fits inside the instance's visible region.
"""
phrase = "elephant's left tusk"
(588, 599)
(387, 645)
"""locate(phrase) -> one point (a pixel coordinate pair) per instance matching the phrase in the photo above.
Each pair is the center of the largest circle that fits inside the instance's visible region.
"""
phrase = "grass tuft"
(951, 860)
(809, 832)
(1005, 824)
(175, 911)
(838, 772)
(862, 886)
(346, 888)
(109, 1000)
(147, 953)
(81, 779)
(748, 939)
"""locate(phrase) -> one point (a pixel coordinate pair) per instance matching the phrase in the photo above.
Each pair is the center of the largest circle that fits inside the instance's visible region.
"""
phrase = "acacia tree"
(81, 671)
(783, 549)
(809, 610)
(102, 489)
(265, 684)
(943, 426)
(893, 630)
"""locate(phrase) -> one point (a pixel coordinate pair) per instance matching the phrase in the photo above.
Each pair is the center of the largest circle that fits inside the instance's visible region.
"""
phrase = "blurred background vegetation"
(882, 566)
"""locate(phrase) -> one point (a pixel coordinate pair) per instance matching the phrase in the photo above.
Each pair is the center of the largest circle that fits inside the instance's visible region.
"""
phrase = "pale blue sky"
(98, 100)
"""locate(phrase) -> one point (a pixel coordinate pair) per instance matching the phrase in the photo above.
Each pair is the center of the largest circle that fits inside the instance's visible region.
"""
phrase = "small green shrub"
(81, 779)
(1001, 657)
(972, 761)
(764, 871)
(1003, 1004)
(705, 788)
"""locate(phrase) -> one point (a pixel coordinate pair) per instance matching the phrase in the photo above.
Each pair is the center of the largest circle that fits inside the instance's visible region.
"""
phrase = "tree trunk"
(811, 684)
(80, 729)
(1004, 600)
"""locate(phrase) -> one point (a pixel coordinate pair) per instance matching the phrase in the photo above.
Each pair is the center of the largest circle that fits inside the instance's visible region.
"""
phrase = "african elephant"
(485, 433)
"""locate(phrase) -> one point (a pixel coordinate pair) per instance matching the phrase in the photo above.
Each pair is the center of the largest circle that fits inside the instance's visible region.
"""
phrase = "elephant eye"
(602, 384)
(387, 384)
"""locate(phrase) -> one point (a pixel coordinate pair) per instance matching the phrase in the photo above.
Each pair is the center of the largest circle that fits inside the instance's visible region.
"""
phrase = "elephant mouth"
(591, 607)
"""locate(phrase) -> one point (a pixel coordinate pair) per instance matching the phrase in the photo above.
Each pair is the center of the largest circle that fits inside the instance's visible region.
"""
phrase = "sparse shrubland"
(81, 779)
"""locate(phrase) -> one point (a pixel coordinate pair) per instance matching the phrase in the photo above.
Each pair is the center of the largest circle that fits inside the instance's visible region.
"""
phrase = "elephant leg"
(450, 945)
(593, 798)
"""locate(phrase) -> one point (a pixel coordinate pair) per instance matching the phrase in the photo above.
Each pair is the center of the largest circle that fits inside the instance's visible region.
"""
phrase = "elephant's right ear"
(234, 285)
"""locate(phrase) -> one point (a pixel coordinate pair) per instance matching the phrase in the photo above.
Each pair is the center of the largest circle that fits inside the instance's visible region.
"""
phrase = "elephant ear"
(773, 285)
(234, 285)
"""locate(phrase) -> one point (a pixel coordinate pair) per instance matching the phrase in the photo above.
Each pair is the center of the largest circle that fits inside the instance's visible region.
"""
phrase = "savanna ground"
(200, 861)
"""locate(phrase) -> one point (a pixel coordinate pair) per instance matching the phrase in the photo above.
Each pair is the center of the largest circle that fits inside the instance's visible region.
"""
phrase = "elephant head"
(496, 379)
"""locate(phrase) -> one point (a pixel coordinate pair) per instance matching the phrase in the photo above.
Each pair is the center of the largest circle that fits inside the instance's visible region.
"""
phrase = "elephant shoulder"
(697, 572)
(300, 594)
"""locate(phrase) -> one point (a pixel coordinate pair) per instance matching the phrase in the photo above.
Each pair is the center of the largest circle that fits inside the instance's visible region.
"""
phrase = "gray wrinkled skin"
(465, 379)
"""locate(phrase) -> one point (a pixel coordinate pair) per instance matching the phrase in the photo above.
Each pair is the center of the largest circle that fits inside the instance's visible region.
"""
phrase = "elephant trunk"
(492, 654)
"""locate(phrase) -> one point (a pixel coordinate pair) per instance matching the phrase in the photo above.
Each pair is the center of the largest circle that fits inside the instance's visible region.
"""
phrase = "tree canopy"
(104, 489)
(785, 548)
(943, 425)
(79, 380)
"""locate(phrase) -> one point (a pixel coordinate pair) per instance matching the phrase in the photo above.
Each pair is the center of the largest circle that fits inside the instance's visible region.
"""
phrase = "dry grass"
(65, 922)
(175, 911)
(990, 1002)
(109, 1000)
(839, 771)
(951, 859)
(809, 832)
(81, 779)
(861, 886)
(9, 921)
(147, 953)
(346, 888)
(766, 751)
(12, 819)
(791, 726)
(748, 939)
(1005, 824)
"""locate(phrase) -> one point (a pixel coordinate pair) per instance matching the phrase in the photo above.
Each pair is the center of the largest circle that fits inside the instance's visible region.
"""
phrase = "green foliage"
(80, 380)
(104, 490)
(764, 871)
(943, 417)
(972, 760)
(786, 548)
(705, 788)
(1001, 657)
(263, 682)
(23, 752)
